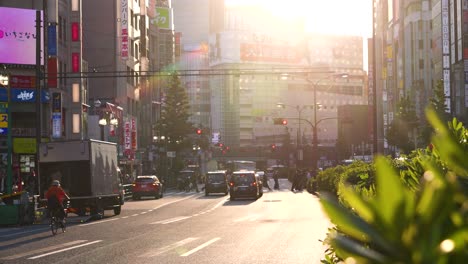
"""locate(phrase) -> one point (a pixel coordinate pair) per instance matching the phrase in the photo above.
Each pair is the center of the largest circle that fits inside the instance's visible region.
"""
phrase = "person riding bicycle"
(55, 197)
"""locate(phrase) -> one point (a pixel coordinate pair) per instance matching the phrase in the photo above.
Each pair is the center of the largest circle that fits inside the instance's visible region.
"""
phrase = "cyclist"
(55, 197)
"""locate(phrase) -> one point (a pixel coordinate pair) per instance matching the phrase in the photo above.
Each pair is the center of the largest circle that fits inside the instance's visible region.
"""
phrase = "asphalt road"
(280, 227)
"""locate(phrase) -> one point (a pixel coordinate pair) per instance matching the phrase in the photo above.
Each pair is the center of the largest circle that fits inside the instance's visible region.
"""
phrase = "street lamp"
(316, 122)
(164, 140)
(299, 132)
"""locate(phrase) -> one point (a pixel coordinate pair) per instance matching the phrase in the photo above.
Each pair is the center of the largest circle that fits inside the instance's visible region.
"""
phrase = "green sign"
(163, 18)
(24, 145)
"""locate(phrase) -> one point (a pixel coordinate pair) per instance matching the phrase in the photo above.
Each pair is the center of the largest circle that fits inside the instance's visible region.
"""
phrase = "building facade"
(46, 94)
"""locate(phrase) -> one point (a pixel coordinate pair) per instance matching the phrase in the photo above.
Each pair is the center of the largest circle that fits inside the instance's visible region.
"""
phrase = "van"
(216, 182)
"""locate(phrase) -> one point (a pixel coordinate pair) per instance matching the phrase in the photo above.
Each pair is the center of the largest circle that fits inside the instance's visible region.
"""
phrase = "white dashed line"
(43, 250)
(169, 247)
(200, 247)
(100, 222)
(171, 220)
(65, 249)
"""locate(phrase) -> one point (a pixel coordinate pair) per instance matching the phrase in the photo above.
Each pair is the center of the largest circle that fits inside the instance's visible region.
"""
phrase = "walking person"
(194, 181)
(275, 177)
(265, 181)
(295, 181)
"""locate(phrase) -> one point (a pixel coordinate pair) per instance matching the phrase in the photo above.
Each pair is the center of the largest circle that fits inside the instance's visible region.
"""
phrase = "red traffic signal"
(280, 121)
(199, 131)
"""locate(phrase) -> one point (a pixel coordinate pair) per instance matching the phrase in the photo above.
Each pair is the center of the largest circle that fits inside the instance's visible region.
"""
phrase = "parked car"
(147, 186)
(216, 182)
(244, 184)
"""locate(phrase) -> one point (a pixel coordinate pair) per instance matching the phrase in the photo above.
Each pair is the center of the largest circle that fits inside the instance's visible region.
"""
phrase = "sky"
(337, 17)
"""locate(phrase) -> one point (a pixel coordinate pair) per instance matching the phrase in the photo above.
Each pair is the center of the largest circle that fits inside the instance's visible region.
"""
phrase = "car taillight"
(231, 184)
(154, 184)
(254, 184)
(134, 185)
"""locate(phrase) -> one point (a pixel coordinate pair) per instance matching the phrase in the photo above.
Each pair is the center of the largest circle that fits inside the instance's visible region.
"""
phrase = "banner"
(124, 29)
(52, 40)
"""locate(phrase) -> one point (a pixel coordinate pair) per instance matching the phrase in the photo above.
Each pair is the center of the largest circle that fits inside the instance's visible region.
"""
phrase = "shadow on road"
(239, 202)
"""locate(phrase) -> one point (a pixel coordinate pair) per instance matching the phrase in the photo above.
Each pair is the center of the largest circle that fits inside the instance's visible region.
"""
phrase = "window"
(421, 64)
(421, 44)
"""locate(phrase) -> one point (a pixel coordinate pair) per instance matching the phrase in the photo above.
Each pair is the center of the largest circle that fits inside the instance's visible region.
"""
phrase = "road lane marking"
(25, 232)
(245, 218)
(134, 215)
(100, 222)
(169, 247)
(143, 213)
(20, 255)
(65, 249)
(125, 217)
(170, 220)
(178, 200)
(200, 247)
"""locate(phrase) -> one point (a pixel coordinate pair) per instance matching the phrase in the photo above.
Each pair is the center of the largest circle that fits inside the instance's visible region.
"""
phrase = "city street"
(280, 227)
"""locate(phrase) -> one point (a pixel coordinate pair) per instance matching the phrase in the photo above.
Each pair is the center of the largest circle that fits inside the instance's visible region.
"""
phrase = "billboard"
(163, 18)
(18, 36)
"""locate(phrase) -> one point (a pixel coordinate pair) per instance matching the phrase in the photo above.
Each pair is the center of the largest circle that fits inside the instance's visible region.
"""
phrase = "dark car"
(244, 184)
(216, 182)
(147, 186)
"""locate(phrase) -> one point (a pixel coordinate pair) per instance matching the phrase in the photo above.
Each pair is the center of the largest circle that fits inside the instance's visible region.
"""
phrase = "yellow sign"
(3, 120)
(24, 145)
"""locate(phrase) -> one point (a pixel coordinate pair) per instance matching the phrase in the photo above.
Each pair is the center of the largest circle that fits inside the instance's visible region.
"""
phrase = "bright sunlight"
(337, 17)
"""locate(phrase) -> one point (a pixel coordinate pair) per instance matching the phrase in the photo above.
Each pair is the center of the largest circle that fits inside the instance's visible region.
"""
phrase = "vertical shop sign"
(124, 29)
(52, 72)
(56, 115)
(75, 62)
(134, 134)
(127, 136)
(446, 52)
(52, 40)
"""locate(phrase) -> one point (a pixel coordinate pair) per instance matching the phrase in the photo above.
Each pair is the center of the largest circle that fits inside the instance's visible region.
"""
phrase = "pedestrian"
(265, 181)
(295, 181)
(275, 177)
(194, 181)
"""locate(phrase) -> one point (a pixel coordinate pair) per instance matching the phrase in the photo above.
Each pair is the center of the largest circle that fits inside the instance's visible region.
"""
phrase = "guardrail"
(128, 191)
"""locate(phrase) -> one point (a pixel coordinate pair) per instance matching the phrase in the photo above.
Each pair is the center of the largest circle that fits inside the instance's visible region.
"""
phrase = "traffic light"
(280, 121)
(199, 131)
(273, 147)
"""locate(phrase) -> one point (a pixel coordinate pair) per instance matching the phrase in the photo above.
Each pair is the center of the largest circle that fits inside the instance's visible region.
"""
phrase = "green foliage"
(437, 102)
(174, 122)
(416, 216)
(403, 124)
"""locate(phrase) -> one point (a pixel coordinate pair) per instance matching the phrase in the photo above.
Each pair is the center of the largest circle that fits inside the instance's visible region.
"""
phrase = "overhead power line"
(195, 72)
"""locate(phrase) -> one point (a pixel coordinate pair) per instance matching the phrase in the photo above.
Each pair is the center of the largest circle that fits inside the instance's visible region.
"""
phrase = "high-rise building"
(117, 57)
(191, 21)
(45, 91)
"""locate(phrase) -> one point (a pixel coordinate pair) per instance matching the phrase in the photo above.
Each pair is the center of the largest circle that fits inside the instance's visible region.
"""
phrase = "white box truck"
(88, 172)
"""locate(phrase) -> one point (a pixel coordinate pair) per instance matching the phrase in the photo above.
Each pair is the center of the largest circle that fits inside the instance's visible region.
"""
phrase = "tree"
(440, 107)
(174, 124)
(403, 125)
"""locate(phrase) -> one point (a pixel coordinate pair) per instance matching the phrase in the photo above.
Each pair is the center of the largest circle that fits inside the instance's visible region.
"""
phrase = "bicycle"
(56, 221)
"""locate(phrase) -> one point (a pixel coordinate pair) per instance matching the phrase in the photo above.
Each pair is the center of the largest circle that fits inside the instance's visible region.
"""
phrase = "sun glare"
(337, 17)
